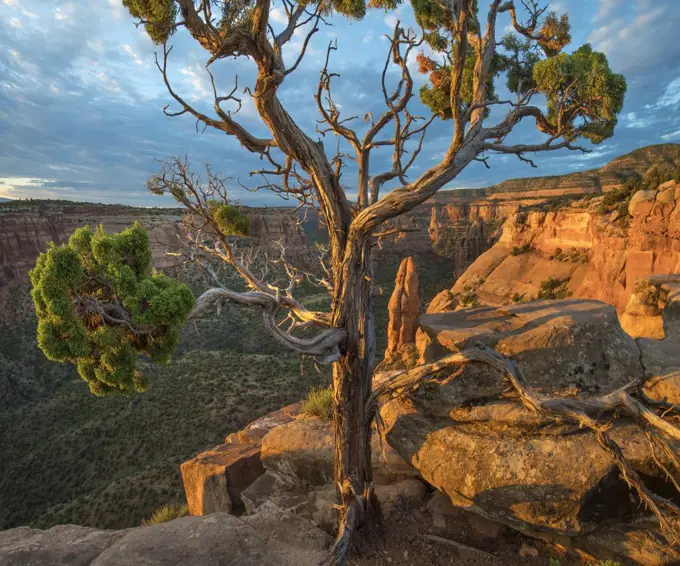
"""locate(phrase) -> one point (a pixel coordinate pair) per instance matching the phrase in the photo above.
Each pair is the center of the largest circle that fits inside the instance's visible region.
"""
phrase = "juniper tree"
(100, 306)
(568, 96)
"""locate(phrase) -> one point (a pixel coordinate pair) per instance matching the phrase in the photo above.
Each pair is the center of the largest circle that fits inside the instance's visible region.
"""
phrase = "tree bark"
(352, 376)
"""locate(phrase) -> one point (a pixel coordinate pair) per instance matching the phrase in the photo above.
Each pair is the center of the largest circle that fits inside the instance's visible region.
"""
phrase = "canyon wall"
(579, 252)
(26, 228)
(463, 224)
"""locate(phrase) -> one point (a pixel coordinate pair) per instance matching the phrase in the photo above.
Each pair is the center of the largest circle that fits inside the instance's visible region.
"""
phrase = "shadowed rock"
(218, 539)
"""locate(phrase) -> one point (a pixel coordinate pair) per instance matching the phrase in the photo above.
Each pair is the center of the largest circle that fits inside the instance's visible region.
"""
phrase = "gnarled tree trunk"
(352, 377)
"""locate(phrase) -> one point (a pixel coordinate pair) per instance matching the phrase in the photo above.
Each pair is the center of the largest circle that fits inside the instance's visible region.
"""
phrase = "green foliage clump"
(319, 403)
(468, 298)
(100, 306)
(574, 255)
(166, 513)
(158, 17)
(523, 249)
(582, 93)
(436, 95)
(554, 289)
(230, 220)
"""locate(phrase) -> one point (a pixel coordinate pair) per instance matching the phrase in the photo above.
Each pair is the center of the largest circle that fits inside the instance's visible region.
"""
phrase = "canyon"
(27, 227)
(486, 246)
(579, 252)
(460, 225)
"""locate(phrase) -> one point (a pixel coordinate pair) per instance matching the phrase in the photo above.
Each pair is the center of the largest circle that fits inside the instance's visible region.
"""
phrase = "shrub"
(468, 299)
(100, 306)
(231, 220)
(524, 248)
(554, 289)
(574, 255)
(319, 403)
(166, 513)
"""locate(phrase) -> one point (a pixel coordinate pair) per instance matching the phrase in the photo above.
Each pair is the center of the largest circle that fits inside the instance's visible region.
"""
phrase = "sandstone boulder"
(70, 545)
(642, 203)
(645, 314)
(653, 314)
(444, 301)
(565, 347)
(303, 451)
(492, 456)
(255, 431)
(661, 360)
(213, 480)
(403, 309)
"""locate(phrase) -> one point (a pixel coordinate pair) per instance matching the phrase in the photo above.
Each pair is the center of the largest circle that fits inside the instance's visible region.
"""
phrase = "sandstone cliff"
(465, 223)
(579, 252)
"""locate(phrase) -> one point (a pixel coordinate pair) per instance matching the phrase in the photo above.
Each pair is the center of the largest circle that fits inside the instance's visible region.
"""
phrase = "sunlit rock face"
(596, 256)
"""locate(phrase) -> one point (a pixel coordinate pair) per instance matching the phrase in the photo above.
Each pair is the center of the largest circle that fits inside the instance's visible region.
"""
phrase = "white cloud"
(106, 82)
(391, 20)
(24, 187)
(59, 14)
(632, 120)
(28, 14)
(279, 16)
(95, 45)
(10, 2)
(634, 41)
(672, 135)
(670, 96)
(605, 8)
(117, 9)
(15, 23)
(198, 80)
(128, 50)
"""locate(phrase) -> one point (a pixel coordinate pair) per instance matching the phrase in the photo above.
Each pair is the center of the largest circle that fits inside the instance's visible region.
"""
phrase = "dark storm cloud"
(81, 101)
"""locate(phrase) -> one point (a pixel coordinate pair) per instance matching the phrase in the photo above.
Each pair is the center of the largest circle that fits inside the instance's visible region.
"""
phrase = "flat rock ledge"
(269, 538)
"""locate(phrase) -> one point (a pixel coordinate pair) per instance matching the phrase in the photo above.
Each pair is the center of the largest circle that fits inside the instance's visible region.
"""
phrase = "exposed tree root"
(596, 414)
(354, 516)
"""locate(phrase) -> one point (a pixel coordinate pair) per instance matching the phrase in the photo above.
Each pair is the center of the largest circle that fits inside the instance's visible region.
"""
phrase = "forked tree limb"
(324, 346)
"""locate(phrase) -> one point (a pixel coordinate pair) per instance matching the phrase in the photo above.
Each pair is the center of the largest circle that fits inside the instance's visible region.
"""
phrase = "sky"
(81, 101)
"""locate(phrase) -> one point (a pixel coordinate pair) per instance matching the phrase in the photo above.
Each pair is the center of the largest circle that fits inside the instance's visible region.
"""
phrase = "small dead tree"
(460, 51)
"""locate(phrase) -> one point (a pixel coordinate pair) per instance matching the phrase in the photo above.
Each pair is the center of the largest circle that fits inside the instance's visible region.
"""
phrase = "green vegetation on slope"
(70, 457)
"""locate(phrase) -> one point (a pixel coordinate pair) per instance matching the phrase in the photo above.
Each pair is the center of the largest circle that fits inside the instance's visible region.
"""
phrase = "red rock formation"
(404, 309)
(601, 257)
